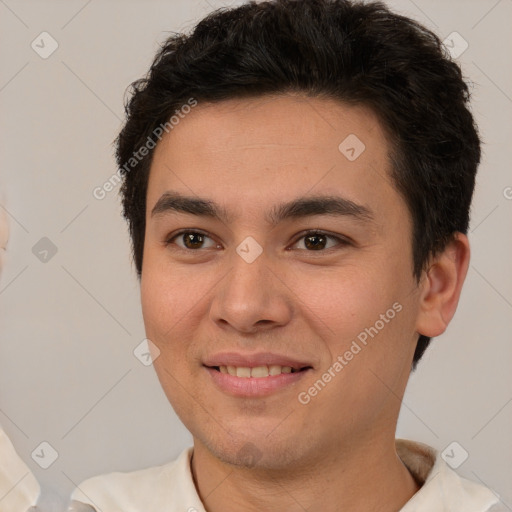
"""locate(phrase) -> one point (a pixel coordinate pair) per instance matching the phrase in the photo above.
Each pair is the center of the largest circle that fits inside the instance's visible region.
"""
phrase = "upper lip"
(251, 360)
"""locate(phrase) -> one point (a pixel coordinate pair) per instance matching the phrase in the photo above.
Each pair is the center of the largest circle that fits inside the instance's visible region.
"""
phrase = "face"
(277, 279)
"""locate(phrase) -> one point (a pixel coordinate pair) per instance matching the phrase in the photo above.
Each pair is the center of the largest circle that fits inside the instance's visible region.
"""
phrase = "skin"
(337, 452)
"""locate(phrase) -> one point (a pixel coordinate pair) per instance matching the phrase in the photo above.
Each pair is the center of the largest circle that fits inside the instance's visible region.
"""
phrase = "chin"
(255, 451)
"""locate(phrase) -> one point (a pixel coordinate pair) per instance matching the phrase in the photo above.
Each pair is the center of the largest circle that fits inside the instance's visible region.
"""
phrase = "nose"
(252, 297)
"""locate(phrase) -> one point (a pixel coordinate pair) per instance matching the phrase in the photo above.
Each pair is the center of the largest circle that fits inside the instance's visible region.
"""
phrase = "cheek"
(169, 296)
(164, 313)
(174, 303)
(345, 300)
(166, 309)
(366, 318)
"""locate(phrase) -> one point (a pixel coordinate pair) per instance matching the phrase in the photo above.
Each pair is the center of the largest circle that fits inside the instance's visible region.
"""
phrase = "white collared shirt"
(171, 488)
(19, 489)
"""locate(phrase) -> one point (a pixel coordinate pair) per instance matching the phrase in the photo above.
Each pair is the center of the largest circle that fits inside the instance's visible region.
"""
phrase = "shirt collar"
(442, 489)
(171, 487)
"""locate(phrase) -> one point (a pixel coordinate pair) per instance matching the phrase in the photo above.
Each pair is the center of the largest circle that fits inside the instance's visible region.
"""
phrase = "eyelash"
(341, 241)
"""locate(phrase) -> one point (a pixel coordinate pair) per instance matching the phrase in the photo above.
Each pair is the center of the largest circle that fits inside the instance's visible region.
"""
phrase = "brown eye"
(315, 242)
(318, 241)
(191, 240)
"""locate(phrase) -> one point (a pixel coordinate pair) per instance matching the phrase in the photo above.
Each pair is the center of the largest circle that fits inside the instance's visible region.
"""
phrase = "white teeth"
(258, 371)
(274, 369)
(243, 371)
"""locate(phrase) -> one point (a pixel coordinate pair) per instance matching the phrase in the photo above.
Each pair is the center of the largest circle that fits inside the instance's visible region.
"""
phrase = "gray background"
(69, 325)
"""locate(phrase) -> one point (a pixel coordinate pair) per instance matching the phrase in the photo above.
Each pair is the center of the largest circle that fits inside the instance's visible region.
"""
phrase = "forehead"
(281, 121)
(252, 151)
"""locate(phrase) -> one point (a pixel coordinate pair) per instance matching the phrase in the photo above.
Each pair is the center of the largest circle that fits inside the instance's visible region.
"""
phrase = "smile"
(255, 387)
(257, 371)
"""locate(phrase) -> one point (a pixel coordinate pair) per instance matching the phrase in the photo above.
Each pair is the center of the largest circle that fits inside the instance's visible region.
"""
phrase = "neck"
(370, 478)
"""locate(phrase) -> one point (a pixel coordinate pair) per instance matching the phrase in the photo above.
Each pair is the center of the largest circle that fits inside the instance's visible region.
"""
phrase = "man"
(297, 182)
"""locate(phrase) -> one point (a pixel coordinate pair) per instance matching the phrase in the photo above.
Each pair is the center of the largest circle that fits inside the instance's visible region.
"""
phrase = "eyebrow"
(171, 202)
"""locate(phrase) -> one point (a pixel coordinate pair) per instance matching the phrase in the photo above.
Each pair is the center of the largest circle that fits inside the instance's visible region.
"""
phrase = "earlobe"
(441, 287)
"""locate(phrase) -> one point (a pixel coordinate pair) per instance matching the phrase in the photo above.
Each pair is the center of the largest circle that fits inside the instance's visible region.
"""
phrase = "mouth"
(258, 372)
(255, 375)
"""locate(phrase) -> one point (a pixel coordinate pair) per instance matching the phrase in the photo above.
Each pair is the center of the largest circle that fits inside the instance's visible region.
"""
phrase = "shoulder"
(442, 488)
(154, 488)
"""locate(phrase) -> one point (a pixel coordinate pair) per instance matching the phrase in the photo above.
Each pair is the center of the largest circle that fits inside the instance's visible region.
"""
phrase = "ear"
(441, 287)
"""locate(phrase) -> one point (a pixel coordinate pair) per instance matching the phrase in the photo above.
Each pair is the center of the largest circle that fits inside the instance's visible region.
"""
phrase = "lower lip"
(254, 386)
